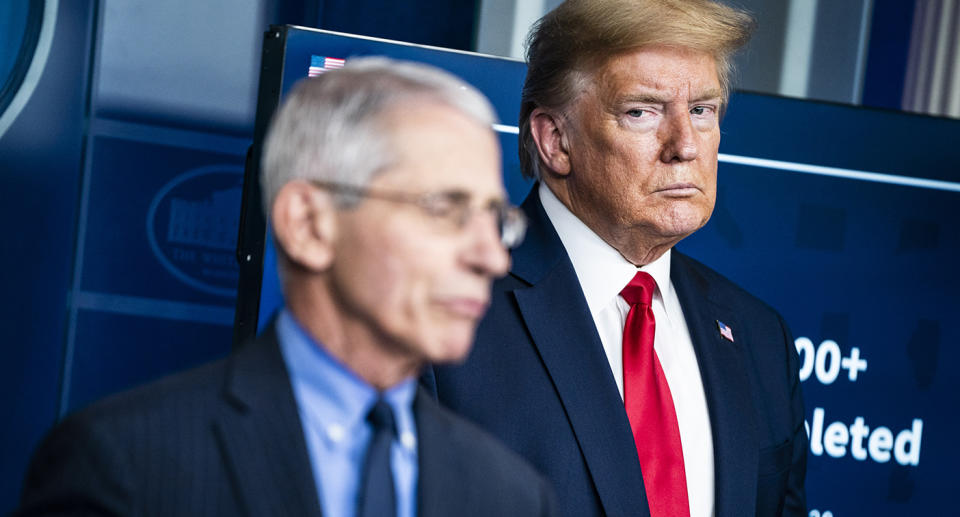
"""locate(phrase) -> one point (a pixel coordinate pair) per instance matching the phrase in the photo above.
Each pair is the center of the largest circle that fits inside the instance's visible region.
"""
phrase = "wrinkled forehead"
(435, 146)
(657, 60)
(623, 67)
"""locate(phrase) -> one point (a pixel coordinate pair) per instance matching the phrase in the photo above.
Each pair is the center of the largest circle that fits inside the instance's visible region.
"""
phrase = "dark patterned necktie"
(377, 498)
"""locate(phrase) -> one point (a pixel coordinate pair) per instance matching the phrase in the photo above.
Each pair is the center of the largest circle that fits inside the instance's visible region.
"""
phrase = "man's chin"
(452, 350)
(681, 220)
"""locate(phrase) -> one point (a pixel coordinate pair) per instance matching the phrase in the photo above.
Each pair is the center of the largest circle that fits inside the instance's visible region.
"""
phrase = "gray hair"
(329, 127)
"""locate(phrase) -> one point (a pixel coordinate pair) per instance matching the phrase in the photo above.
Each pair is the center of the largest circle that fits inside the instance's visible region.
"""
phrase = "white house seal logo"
(192, 227)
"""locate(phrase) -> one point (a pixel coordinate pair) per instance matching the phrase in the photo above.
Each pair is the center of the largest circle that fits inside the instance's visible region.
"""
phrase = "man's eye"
(438, 206)
(700, 110)
(636, 112)
(446, 203)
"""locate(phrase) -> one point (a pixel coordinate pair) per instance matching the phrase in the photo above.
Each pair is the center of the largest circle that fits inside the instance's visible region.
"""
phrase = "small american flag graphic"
(320, 64)
(725, 331)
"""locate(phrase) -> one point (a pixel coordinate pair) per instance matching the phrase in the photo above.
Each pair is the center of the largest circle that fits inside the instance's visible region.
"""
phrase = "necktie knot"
(380, 417)
(640, 289)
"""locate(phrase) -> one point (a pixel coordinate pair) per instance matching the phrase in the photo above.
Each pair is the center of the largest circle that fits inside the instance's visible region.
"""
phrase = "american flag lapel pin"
(725, 331)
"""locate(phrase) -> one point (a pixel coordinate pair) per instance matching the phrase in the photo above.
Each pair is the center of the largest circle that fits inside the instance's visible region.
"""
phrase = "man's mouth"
(679, 190)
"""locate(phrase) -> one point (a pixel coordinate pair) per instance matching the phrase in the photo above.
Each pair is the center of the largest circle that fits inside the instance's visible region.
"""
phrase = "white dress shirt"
(603, 273)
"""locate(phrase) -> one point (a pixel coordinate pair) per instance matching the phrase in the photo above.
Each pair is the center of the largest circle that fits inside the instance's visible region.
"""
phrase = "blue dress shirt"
(333, 403)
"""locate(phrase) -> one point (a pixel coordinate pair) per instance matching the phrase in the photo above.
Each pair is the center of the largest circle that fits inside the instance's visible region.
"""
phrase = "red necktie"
(649, 405)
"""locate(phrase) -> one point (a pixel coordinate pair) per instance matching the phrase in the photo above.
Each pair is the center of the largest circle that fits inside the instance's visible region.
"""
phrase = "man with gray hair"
(639, 381)
(387, 205)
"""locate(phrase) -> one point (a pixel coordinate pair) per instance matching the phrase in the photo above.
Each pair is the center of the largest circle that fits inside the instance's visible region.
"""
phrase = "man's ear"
(549, 134)
(304, 225)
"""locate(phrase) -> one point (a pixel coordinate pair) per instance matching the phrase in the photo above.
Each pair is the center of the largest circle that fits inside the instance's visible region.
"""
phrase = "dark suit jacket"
(538, 379)
(226, 439)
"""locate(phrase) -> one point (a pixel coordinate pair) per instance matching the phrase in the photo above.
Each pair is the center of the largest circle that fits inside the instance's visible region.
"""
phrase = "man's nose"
(484, 252)
(678, 138)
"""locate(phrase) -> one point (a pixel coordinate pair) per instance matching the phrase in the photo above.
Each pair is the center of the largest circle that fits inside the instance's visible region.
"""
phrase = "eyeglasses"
(452, 206)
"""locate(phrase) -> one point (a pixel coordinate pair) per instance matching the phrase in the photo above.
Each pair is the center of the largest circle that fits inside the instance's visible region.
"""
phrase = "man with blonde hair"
(637, 379)
(385, 197)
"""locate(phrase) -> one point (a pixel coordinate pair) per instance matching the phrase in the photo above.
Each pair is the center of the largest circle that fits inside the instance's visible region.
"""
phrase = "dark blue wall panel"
(441, 23)
(156, 243)
(40, 166)
(165, 222)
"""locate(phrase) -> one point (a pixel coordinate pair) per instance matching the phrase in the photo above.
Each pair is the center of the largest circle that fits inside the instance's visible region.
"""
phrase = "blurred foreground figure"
(638, 380)
(385, 197)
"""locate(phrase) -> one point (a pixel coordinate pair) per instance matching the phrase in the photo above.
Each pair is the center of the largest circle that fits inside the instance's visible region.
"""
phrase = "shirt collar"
(601, 269)
(331, 392)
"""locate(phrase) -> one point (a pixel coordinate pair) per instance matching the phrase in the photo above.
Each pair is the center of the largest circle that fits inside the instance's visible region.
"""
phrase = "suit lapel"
(260, 433)
(439, 491)
(556, 314)
(726, 386)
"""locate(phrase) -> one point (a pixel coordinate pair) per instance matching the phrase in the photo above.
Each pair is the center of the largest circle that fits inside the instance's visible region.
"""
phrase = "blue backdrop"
(116, 165)
(842, 218)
